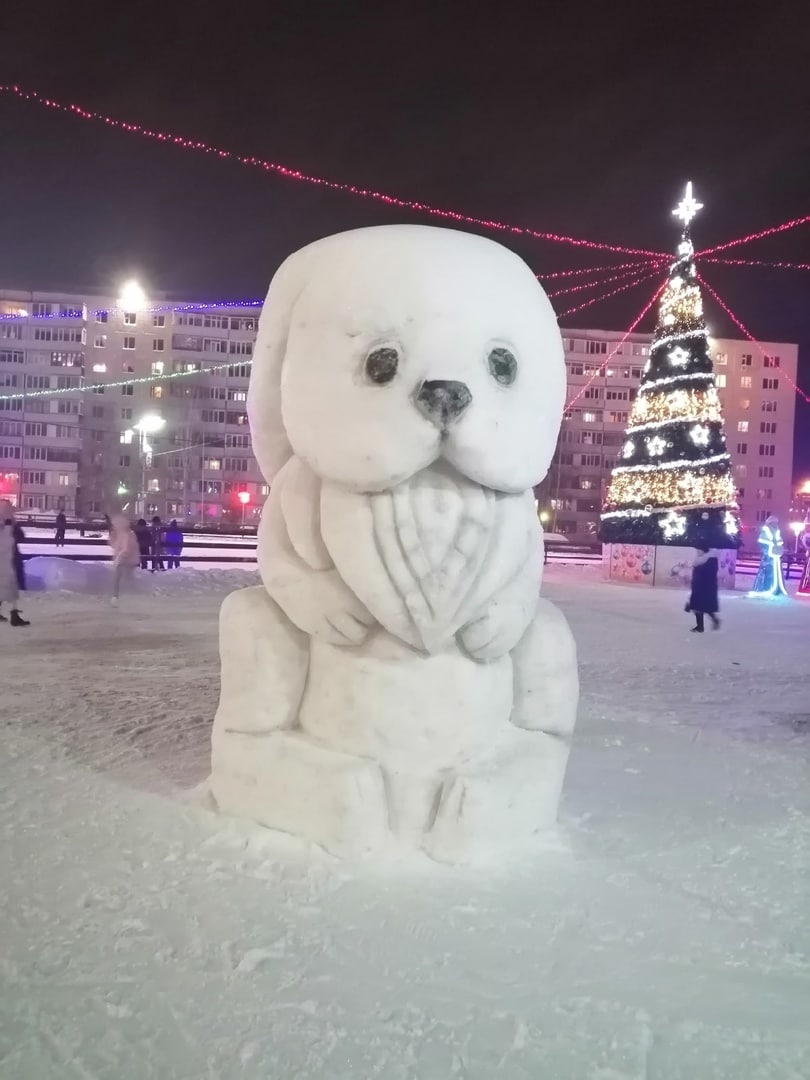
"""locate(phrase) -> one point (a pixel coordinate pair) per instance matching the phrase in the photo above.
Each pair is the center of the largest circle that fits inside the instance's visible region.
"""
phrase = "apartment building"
(755, 388)
(124, 355)
(136, 402)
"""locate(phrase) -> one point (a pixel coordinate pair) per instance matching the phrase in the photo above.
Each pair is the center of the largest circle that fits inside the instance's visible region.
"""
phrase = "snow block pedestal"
(397, 682)
(667, 566)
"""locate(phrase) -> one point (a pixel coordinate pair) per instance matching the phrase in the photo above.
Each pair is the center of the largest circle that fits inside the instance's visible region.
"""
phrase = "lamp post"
(244, 499)
(147, 425)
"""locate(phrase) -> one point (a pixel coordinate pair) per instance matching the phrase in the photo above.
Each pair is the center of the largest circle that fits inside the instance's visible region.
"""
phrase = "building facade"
(93, 377)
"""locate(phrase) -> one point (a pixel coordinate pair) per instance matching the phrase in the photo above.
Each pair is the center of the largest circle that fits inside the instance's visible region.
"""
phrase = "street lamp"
(244, 499)
(147, 425)
(132, 297)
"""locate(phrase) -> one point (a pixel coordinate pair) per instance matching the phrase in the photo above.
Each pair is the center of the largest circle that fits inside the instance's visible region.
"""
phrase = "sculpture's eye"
(381, 365)
(502, 366)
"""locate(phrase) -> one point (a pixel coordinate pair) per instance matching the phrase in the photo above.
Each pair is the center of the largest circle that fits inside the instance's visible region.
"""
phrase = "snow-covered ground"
(663, 933)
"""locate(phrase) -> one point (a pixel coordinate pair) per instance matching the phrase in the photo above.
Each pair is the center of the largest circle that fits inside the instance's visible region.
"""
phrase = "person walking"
(12, 571)
(157, 544)
(703, 600)
(126, 554)
(174, 544)
(143, 535)
(61, 526)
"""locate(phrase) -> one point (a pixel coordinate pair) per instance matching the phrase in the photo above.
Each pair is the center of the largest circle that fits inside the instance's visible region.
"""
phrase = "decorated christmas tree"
(673, 482)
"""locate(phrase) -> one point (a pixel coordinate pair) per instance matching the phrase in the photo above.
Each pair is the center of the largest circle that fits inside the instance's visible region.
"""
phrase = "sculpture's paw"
(493, 635)
(323, 606)
(498, 810)
(288, 782)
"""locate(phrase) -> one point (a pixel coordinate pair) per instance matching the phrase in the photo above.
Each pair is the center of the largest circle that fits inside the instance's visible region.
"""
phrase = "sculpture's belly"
(409, 712)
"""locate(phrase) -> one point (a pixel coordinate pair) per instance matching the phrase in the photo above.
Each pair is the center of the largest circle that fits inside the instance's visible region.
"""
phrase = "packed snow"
(661, 933)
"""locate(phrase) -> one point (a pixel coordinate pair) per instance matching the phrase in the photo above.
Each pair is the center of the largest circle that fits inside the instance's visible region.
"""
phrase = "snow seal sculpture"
(398, 681)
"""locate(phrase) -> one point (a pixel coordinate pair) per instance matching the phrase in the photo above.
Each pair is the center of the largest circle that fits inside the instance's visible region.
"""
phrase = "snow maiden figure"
(397, 682)
(768, 581)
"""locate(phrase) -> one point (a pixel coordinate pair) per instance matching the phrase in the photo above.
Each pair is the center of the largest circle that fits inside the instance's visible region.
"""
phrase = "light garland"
(792, 224)
(318, 181)
(700, 435)
(757, 262)
(667, 338)
(631, 512)
(618, 346)
(668, 380)
(240, 361)
(670, 465)
(599, 281)
(656, 446)
(592, 270)
(667, 489)
(684, 405)
(607, 295)
(150, 310)
(738, 323)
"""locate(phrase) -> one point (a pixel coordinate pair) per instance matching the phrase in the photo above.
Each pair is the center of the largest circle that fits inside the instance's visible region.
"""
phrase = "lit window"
(126, 436)
(99, 368)
(721, 381)
(721, 359)
(745, 382)
(589, 417)
(157, 367)
(156, 392)
(742, 425)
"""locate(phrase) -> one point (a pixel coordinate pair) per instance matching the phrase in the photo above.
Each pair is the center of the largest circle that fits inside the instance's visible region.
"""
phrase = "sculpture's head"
(382, 350)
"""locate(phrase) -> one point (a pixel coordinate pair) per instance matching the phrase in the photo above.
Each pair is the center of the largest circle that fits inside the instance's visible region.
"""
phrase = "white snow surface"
(663, 933)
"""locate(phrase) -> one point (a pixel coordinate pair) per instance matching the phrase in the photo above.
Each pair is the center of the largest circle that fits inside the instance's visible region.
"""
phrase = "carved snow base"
(376, 747)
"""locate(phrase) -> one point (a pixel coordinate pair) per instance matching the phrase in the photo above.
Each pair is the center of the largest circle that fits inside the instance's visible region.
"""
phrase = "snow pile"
(665, 935)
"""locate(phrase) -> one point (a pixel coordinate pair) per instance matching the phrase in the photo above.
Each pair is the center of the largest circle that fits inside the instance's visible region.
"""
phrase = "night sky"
(578, 122)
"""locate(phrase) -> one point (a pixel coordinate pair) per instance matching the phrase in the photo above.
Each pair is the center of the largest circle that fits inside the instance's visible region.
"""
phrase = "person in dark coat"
(143, 534)
(173, 542)
(61, 526)
(703, 599)
(157, 544)
(12, 568)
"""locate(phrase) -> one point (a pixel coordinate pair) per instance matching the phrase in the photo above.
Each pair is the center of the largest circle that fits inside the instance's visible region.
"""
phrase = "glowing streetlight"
(132, 297)
(244, 499)
(147, 425)
(798, 528)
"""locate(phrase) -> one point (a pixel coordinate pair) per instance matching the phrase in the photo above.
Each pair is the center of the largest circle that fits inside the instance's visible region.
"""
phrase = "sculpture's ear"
(268, 436)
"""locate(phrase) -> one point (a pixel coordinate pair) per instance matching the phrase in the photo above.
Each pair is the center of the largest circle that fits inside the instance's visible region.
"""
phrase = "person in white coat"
(9, 569)
(126, 554)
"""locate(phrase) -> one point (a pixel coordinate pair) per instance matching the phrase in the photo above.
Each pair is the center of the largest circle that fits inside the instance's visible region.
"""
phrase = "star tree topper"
(687, 207)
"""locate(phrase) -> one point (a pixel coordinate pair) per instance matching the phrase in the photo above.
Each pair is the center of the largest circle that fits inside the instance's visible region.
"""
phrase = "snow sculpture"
(398, 680)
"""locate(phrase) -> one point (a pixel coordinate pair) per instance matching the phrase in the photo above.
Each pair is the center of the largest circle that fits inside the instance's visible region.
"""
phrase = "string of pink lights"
(744, 329)
(599, 282)
(757, 262)
(619, 344)
(771, 231)
(607, 295)
(333, 185)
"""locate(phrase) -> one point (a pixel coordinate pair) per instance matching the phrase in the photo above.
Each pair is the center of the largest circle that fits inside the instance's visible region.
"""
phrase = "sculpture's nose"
(443, 401)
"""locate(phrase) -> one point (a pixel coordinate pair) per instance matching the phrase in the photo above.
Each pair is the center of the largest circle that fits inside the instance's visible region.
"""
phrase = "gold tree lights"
(672, 483)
